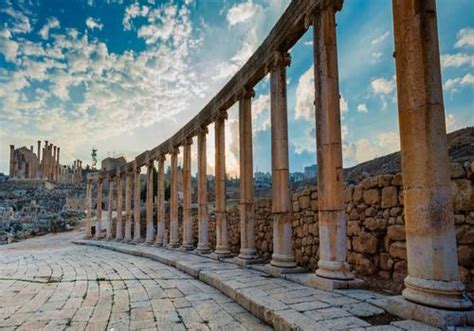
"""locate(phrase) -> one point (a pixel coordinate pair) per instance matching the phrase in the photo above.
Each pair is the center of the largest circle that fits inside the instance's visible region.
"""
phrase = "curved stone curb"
(281, 303)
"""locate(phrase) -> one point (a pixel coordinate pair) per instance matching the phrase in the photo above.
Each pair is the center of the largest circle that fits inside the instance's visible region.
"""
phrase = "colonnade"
(433, 275)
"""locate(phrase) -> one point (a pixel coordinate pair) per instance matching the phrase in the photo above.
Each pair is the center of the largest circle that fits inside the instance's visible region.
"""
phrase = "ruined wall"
(375, 228)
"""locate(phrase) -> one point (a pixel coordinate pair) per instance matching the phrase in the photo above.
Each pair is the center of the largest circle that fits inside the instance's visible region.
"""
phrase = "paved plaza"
(48, 283)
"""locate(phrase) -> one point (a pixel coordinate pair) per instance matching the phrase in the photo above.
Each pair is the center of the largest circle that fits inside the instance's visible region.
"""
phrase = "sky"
(123, 76)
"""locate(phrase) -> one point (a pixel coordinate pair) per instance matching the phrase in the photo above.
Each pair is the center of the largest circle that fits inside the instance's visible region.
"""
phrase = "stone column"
(247, 226)
(89, 209)
(203, 240)
(12, 161)
(119, 233)
(187, 193)
(331, 215)
(110, 210)
(98, 223)
(150, 231)
(38, 170)
(53, 165)
(433, 275)
(137, 236)
(174, 240)
(57, 166)
(222, 245)
(128, 206)
(160, 201)
(283, 256)
(45, 159)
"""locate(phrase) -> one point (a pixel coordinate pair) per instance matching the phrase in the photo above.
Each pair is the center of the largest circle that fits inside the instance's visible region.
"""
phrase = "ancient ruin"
(44, 165)
(423, 188)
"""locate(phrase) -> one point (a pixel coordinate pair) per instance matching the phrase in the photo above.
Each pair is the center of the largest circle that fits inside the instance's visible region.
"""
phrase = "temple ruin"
(44, 165)
(433, 277)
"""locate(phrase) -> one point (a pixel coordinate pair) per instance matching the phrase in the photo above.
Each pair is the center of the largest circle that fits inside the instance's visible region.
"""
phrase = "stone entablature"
(44, 165)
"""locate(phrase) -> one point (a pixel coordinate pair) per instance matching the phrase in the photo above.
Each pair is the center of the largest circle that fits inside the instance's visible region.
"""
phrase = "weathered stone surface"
(365, 243)
(372, 196)
(389, 197)
(396, 232)
(398, 250)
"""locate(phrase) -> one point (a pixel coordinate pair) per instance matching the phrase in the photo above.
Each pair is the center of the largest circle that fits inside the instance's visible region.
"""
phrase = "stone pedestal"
(203, 217)
(332, 220)
(433, 275)
(283, 256)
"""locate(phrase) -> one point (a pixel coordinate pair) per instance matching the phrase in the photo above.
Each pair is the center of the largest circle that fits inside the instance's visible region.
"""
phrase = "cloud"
(364, 149)
(453, 84)
(381, 38)
(383, 86)
(362, 108)
(456, 60)
(343, 105)
(242, 12)
(465, 38)
(94, 24)
(53, 23)
(8, 47)
(20, 23)
(131, 12)
(451, 123)
(305, 95)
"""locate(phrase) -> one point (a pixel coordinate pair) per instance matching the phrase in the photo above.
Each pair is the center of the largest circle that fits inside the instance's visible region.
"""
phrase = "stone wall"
(375, 228)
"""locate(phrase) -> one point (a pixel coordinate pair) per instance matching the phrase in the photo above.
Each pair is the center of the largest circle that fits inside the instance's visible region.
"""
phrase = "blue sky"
(123, 76)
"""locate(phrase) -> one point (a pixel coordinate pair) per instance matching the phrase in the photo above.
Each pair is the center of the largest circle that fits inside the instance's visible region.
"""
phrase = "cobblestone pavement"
(48, 283)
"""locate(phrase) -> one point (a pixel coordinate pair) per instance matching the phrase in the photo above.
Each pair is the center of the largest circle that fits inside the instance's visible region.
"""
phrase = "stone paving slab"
(283, 304)
(87, 288)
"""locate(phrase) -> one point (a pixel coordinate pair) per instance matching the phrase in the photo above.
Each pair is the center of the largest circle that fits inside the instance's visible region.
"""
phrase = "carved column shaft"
(187, 221)
(98, 224)
(203, 243)
(332, 219)
(160, 228)
(174, 240)
(128, 206)
(150, 231)
(89, 209)
(109, 211)
(137, 237)
(222, 245)
(247, 226)
(38, 170)
(433, 275)
(282, 232)
(119, 232)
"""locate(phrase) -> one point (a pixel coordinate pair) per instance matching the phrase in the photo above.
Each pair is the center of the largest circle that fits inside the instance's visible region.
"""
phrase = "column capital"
(278, 59)
(246, 93)
(188, 141)
(161, 158)
(203, 130)
(221, 115)
(119, 174)
(149, 162)
(174, 150)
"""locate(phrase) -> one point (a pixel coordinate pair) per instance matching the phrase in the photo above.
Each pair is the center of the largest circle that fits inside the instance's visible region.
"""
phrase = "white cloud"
(242, 12)
(465, 38)
(305, 95)
(383, 86)
(453, 84)
(364, 149)
(94, 24)
(451, 123)
(53, 23)
(381, 38)
(457, 60)
(8, 47)
(20, 22)
(362, 108)
(343, 105)
(133, 11)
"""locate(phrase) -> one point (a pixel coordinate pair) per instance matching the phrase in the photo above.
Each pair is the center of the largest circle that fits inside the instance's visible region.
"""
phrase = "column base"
(172, 245)
(187, 247)
(158, 244)
(279, 271)
(119, 239)
(245, 261)
(248, 254)
(203, 249)
(436, 317)
(127, 240)
(149, 242)
(219, 256)
(283, 261)
(435, 293)
(329, 284)
(334, 270)
(136, 241)
(222, 252)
